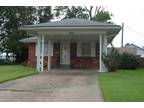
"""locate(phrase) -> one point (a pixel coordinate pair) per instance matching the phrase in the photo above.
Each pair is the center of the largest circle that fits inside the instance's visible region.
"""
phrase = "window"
(45, 49)
(85, 49)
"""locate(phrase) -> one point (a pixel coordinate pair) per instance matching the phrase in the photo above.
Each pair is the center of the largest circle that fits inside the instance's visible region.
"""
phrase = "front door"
(65, 53)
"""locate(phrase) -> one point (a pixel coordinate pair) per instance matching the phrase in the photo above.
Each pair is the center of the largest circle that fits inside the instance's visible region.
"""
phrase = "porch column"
(38, 54)
(49, 55)
(105, 44)
(103, 49)
(42, 52)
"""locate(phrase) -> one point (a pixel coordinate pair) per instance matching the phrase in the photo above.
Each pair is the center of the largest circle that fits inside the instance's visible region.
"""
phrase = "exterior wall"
(54, 59)
(76, 62)
(130, 50)
(84, 62)
(31, 55)
(139, 50)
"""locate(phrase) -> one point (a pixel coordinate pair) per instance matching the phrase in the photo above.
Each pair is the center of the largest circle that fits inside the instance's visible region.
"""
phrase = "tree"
(70, 12)
(97, 13)
(100, 14)
(44, 14)
(11, 18)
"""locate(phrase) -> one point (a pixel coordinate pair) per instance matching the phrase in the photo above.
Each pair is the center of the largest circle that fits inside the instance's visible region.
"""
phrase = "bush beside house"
(111, 60)
(129, 61)
(114, 60)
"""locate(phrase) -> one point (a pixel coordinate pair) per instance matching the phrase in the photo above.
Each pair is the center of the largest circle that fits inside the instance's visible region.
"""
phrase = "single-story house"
(74, 43)
(138, 50)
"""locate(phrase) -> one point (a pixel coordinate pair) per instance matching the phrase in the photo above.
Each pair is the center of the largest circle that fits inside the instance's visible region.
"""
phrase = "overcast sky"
(131, 12)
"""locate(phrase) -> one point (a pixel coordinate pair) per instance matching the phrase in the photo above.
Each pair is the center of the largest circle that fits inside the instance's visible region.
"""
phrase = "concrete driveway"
(55, 86)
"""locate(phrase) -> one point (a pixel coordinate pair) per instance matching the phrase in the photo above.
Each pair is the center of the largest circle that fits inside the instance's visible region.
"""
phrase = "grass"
(11, 72)
(123, 85)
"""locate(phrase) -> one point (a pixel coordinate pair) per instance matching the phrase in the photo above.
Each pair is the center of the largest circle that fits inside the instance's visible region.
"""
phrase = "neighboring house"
(77, 43)
(122, 50)
(138, 50)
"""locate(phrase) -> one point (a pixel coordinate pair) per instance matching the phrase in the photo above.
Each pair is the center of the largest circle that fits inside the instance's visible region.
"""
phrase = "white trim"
(93, 49)
(100, 53)
(42, 53)
(67, 32)
(49, 55)
(78, 49)
(92, 46)
(103, 49)
(38, 55)
(52, 47)
(45, 49)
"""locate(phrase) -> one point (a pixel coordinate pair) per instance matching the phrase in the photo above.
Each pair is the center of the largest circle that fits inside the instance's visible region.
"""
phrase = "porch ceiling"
(68, 38)
(73, 38)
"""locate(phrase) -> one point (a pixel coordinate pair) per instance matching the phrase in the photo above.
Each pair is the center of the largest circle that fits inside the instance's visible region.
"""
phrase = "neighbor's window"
(86, 49)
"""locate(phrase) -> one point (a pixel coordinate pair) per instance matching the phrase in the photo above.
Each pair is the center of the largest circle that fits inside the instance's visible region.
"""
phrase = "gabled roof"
(74, 22)
(133, 45)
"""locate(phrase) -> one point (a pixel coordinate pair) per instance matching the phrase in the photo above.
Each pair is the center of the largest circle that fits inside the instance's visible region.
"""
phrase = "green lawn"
(123, 85)
(11, 72)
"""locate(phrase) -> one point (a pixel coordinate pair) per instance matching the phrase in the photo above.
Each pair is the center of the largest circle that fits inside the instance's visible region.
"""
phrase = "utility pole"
(122, 34)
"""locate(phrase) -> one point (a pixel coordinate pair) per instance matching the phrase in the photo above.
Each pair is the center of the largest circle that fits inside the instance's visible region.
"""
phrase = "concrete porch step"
(64, 66)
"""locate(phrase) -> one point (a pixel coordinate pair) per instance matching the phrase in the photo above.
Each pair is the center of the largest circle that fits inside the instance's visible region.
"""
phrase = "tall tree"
(70, 12)
(97, 13)
(44, 14)
(13, 17)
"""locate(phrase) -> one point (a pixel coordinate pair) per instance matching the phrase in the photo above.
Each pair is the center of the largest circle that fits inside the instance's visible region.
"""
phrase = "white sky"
(131, 12)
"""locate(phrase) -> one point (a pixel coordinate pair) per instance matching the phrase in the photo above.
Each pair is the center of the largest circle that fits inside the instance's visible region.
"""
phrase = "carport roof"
(74, 22)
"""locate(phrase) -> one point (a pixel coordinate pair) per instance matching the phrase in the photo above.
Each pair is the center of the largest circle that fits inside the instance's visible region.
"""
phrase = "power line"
(138, 33)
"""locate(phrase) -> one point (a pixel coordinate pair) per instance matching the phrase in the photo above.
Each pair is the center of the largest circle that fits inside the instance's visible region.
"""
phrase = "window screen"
(85, 49)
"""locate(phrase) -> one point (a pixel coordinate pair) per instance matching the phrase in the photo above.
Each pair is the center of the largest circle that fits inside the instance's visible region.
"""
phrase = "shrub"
(111, 60)
(128, 61)
(141, 62)
(6, 62)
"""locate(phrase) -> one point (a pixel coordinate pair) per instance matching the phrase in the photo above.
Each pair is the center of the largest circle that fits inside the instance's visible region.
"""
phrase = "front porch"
(71, 53)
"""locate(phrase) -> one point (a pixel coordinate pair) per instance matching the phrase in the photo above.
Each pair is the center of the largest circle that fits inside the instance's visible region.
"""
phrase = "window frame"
(45, 48)
(92, 50)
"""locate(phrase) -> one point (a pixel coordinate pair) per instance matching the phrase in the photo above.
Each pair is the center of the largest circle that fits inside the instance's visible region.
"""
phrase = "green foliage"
(70, 12)
(83, 12)
(129, 61)
(111, 60)
(44, 14)
(11, 18)
(102, 16)
(141, 62)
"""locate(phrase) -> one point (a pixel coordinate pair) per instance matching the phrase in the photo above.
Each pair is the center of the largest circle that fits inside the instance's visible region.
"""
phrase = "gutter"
(65, 28)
